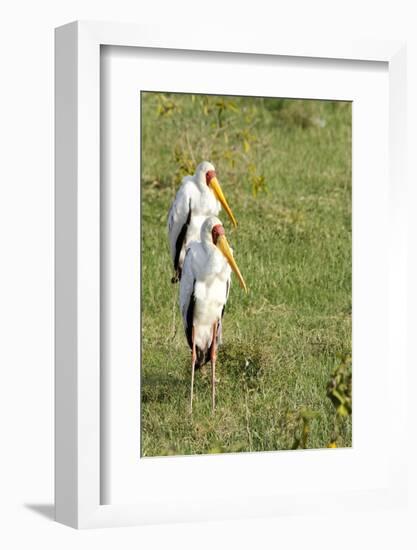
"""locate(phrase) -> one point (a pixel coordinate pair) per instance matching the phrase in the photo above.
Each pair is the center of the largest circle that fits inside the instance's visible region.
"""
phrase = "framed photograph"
(229, 331)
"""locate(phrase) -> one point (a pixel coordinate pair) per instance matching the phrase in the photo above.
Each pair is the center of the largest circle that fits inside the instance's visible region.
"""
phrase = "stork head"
(213, 234)
(206, 176)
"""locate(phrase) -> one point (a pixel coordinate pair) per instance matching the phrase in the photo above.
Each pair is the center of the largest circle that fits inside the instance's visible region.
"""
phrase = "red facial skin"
(216, 232)
(210, 175)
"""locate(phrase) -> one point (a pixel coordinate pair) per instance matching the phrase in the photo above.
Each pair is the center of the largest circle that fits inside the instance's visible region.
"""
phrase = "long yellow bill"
(224, 248)
(217, 190)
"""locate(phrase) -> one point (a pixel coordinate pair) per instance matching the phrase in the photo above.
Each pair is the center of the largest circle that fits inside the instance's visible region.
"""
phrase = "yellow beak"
(225, 249)
(217, 190)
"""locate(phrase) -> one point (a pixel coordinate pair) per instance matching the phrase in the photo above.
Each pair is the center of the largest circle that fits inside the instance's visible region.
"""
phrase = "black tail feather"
(203, 357)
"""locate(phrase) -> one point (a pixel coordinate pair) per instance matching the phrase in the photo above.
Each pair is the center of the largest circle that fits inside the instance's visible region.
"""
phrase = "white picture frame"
(77, 242)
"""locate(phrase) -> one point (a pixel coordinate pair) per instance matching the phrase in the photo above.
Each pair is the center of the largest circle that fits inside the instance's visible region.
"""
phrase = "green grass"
(282, 341)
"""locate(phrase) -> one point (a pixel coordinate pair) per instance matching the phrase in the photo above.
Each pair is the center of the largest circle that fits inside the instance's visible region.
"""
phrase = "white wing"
(187, 283)
(179, 217)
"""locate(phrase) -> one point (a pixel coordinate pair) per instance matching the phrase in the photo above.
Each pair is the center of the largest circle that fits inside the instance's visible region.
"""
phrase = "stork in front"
(198, 197)
(204, 290)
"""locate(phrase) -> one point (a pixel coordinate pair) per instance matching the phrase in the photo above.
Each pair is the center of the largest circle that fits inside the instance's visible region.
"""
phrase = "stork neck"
(209, 247)
(200, 180)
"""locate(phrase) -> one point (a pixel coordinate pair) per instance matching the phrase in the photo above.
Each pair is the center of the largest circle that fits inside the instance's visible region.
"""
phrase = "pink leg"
(193, 359)
(213, 356)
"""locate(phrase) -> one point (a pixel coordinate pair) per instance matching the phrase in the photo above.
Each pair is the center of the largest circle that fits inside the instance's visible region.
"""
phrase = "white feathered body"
(202, 202)
(205, 279)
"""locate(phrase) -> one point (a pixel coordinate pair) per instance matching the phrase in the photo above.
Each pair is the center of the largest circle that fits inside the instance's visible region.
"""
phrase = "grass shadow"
(160, 388)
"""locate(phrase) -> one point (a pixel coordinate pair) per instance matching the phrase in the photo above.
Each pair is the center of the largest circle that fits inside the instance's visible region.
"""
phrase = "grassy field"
(285, 167)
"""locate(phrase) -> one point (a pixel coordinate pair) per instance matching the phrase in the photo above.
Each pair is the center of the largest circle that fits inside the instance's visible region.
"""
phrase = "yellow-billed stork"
(204, 290)
(198, 197)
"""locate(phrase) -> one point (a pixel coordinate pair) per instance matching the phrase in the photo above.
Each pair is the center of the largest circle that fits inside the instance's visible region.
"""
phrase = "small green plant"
(184, 162)
(166, 106)
(339, 391)
(257, 180)
(222, 105)
(304, 419)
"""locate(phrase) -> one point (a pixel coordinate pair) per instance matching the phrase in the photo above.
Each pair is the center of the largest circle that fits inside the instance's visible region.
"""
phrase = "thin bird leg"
(193, 359)
(213, 356)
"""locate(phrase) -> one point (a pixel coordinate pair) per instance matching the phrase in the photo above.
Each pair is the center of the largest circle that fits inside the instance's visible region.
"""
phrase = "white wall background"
(26, 268)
